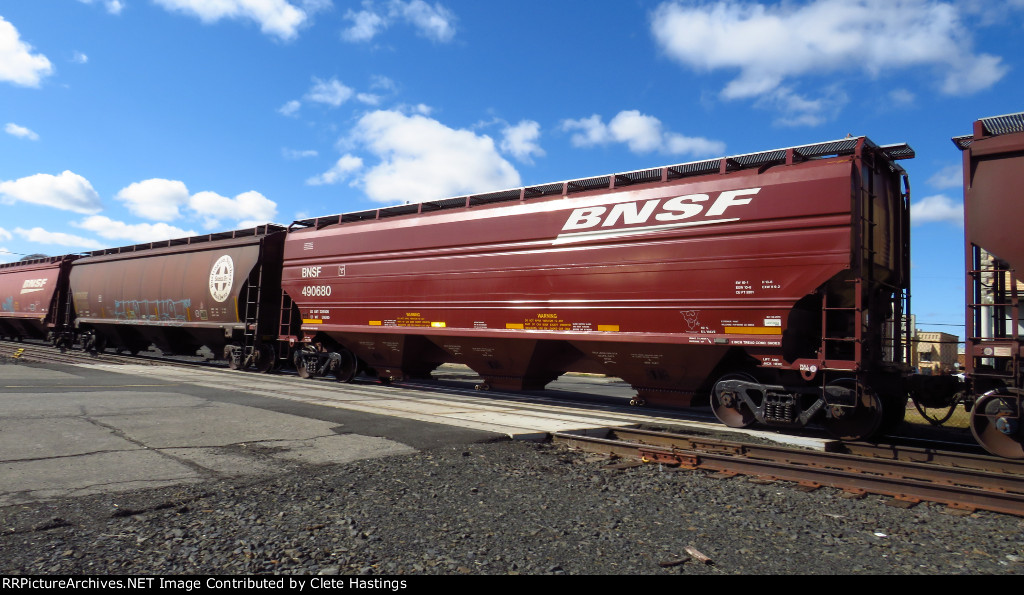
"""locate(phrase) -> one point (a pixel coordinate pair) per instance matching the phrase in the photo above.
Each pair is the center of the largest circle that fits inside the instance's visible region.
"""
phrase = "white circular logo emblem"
(222, 275)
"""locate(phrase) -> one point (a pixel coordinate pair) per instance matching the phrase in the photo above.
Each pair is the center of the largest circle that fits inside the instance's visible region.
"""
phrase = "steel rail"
(908, 482)
(47, 354)
(980, 462)
(42, 353)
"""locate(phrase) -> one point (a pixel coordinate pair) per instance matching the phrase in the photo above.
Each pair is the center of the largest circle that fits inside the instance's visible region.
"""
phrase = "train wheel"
(233, 353)
(306, 361)
(859, 422)
(345, 366)
(727, 405)
(995, 423)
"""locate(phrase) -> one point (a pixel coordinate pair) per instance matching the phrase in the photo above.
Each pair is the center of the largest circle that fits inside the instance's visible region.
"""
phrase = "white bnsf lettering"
(679, 211)
(310, 272)
(33, 285)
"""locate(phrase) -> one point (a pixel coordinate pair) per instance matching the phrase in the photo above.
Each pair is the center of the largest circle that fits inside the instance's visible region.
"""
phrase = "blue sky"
(127, 121)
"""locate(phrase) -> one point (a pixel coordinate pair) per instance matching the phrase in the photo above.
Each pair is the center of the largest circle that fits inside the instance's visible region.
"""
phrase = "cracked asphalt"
(77, 431)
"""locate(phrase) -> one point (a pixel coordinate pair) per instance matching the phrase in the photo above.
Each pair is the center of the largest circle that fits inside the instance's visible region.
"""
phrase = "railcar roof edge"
(993, 126)
(813, 151)
(248, 232)
(37, 261)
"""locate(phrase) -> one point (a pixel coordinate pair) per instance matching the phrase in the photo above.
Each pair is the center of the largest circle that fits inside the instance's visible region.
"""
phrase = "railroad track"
(909, 476)
(12, 352)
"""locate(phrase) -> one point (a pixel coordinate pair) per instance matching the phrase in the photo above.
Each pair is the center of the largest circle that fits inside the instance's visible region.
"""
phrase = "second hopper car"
(220, 291)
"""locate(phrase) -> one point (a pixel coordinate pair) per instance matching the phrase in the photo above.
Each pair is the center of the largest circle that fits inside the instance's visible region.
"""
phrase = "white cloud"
(112, 6)
(973, 74)
(937, 208)
(20, 131)
(951, 176)
(434, 22)
(383, 83)
(901, 97)
(590, 131)
(56, 238)
(248, 209)
(294, 154)
(291, 108)
(521, 141)
(331, 92)
(799, 110)
(640, 132)
(135, 233)
(366, 24)
(422, 159)
(18, 64)
(5, 235)
(341, 170)
(68, 191)
(156, 199)
(368, 98)
(275, 17)
(771, 44)
(163, 200)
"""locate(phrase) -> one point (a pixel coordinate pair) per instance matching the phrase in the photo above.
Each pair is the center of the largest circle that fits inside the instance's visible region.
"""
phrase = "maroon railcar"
(993, 160)
(33, 297)
(219, 290)
(770, 283)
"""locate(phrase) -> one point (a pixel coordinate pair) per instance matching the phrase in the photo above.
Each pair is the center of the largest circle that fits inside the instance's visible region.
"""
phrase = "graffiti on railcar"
(153, 310)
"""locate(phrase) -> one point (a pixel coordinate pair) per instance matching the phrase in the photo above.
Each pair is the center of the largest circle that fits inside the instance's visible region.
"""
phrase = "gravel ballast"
(499, 508)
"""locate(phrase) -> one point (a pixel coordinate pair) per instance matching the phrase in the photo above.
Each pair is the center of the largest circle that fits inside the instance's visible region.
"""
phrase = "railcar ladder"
(285, 326)
(252, 313)
(829, 337)
(1002, 315)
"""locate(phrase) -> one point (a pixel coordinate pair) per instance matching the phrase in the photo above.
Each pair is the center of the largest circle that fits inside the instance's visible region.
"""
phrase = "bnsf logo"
(673, 212)
(32, 285)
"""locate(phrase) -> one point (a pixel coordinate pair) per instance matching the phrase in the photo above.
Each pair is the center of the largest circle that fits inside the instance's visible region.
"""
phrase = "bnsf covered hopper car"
(33, 298)
(993, 160)
(769, 284)
(220, 290)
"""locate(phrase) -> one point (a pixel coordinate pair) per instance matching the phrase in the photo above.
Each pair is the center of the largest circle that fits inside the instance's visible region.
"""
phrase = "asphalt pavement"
(79, 430)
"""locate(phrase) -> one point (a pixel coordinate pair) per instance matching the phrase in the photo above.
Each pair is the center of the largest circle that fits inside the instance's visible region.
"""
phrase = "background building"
(935, 353)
